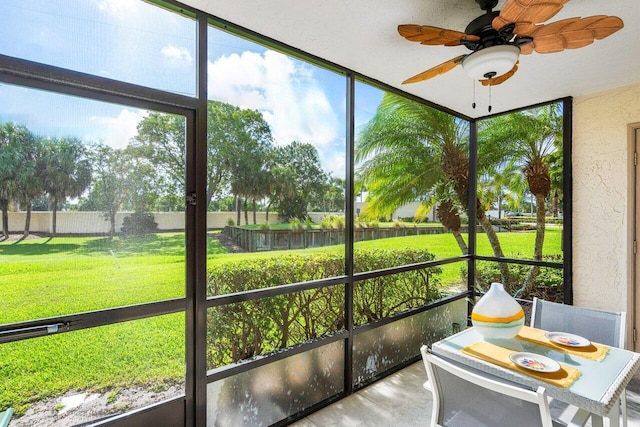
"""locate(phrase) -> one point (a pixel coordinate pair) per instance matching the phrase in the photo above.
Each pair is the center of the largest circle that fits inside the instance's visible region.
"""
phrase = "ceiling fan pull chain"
(474, 95)
(490, 94)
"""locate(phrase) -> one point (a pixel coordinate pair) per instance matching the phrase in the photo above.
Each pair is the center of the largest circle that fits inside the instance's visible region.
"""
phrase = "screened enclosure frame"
(196, 303)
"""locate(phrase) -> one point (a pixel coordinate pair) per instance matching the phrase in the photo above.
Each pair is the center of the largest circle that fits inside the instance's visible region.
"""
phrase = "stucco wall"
(76, 222)
(602, 174)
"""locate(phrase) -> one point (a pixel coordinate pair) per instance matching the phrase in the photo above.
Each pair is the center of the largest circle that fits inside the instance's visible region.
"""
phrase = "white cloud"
(335, 165)
(289, 97)
(178, 57)
(117, 131)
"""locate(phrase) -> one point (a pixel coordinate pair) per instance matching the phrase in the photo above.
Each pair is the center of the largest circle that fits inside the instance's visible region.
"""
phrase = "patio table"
(595, 392)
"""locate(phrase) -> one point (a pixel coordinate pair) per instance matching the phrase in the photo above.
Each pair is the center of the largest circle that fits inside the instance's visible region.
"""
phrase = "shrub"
(242, 330)
(384, 296)
(308, 223)
(398, 223)
(139, 223)
(296, 224)
(333, 221)
(373, 224)
(548, 285)
(230, 222)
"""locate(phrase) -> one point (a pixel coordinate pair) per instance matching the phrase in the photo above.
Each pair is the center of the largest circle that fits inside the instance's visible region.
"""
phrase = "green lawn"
(48, 277)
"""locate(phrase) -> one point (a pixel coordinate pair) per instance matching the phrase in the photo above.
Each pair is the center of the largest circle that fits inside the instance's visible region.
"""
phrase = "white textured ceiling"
(362, 36)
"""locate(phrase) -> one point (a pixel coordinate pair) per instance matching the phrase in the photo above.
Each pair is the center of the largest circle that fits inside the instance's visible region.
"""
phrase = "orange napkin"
(593, 351)
(500, 356)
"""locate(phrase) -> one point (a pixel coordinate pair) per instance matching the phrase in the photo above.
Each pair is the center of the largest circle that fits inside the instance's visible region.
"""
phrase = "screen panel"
(128, 40)
(95, 213)
(265, 395)
(380, 349)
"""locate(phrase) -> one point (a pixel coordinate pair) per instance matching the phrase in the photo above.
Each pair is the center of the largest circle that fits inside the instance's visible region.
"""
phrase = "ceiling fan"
(496, 39)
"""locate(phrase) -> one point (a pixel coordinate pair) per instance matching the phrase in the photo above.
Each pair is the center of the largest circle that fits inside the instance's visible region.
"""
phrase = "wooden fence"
(271, 240)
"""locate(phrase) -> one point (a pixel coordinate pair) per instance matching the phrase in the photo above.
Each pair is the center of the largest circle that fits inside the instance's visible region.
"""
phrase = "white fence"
(74, 222)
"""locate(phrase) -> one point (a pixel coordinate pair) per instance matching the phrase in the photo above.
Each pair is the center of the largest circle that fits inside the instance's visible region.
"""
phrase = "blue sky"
(139, 43)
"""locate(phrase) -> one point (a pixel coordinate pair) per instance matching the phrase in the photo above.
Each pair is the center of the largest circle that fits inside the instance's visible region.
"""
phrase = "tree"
(161, 145)
(30, 177)
(13, 140)
(234, 135)
(411, 152)
(224, 204)
(248, 136)
(533, 136)
(503, 186)
(239, 141)
(298, 179)
(67, 171)
(143, 196)
(111, 182)
(333, 195)
(556, 173)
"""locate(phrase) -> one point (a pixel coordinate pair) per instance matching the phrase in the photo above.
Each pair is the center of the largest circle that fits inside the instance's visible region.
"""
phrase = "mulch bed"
(18, 237)
(226, 241)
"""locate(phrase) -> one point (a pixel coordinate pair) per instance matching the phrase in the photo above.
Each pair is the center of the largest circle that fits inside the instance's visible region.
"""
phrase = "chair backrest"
(462, 397)
(603, 327)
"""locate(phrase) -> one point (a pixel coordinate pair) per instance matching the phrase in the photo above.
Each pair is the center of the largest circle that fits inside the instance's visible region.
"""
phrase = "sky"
(133, 41)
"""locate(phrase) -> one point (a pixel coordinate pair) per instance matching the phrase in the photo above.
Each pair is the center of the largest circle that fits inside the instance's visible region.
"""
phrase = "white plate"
(534, 362)
(567, 340)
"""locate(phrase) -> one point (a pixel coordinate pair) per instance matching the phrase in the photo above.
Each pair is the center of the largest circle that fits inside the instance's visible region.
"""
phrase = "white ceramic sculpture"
(497, 315)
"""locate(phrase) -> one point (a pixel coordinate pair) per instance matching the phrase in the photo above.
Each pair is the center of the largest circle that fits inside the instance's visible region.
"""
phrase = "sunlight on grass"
(63, 275)
(49, 277)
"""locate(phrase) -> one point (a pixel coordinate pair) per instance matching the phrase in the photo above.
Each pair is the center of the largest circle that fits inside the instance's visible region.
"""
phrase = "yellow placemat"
(593, 351)
(500, 356)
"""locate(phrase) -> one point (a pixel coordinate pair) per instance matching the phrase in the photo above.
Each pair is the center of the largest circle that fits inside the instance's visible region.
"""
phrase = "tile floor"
(400, 401)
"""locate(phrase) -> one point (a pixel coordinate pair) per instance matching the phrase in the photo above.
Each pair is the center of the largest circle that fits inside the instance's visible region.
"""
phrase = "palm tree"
(409, 151)
(17, 170)
(556, 172)
(533, 136)
(502, 186)
(29, 177)
(67, 171)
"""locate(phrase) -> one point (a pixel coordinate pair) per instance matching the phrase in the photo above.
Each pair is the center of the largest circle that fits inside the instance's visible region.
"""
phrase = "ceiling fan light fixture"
(491, 61)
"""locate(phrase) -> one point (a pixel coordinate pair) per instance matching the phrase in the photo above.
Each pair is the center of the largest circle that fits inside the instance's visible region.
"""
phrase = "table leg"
(596, 421)
(580, 418)
(614, 416)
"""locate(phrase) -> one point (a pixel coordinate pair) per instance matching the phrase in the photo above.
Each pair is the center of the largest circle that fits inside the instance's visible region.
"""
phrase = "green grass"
(48, 277)
(445, 246)
(143, 353)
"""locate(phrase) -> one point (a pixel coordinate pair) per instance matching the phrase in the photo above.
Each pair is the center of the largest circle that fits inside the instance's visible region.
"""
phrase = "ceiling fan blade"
(434, 36)
(500, 79)
(435, 71)
(573, 33)
(526, 13)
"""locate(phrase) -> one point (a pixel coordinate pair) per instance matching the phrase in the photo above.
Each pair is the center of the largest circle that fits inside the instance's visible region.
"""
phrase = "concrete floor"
(400, 401)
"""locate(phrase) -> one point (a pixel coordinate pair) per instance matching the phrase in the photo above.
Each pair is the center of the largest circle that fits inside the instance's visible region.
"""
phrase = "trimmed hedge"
(242, 330)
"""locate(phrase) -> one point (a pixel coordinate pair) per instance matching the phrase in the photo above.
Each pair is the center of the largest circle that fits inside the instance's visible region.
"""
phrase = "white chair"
(604, 327)
(464, 398)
